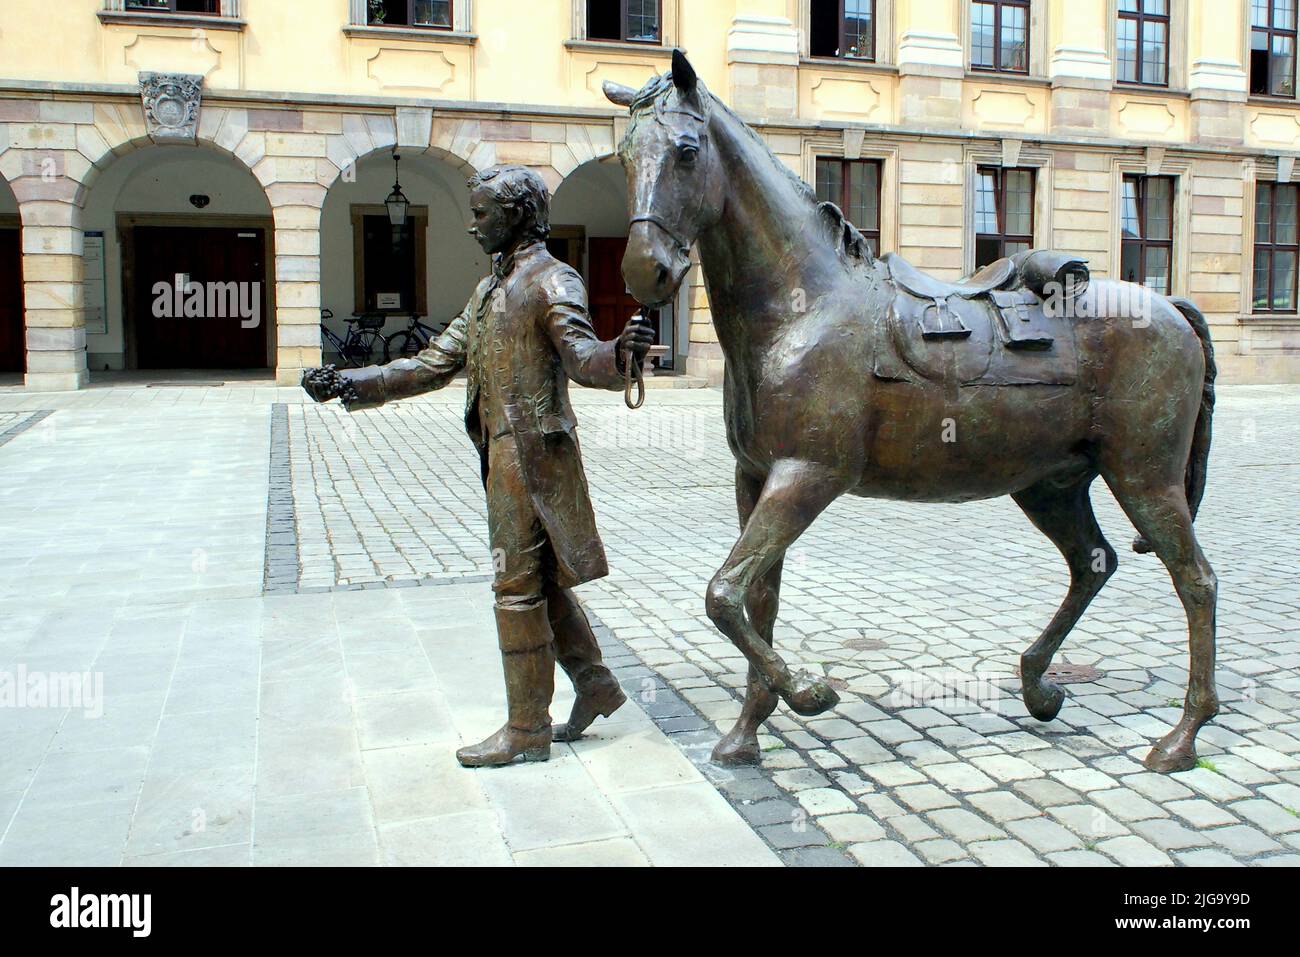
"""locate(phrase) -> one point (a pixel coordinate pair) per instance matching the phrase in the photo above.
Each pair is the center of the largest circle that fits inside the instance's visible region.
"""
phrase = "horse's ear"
(618, 93)
(684, 77)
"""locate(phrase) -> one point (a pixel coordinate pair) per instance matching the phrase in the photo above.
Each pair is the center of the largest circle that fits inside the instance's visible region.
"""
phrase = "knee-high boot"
(528, 657)
(599, 694)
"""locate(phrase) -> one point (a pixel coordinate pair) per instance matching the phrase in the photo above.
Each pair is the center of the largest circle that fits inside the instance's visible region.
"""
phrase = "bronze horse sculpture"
(821, 398)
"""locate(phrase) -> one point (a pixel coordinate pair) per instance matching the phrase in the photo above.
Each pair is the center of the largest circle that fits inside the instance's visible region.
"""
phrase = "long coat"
(522, 336)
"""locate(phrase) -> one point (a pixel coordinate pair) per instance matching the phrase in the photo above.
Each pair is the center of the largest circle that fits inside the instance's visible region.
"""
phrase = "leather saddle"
(998, 324)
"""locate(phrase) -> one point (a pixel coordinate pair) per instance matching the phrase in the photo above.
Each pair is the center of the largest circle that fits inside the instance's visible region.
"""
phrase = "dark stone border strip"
(427, 581)
(280, 572)
(22, 425)
(782, 824)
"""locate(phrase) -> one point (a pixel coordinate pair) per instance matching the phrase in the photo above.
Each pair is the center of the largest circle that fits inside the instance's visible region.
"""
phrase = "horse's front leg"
(794, 494)
(740, 745)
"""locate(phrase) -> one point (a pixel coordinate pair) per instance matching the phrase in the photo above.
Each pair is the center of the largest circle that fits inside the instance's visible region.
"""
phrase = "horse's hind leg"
(794, 494)
(740, 745)
(1063, 514)
(1161, 515)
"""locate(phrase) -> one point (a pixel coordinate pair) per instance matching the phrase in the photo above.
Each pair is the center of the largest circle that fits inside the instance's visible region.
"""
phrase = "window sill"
(1261, 99)
(847, 64)
(1155, 89)
(610, 46)
(1287, 318)
(185, 21)
(422, 34)
(994, 76)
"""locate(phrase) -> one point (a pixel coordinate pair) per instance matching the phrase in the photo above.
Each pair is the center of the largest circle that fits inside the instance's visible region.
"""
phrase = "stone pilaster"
(763, 66)
(1080, 67)
(1217, 78)
(704, 355)
(931, 64)
(53, 272)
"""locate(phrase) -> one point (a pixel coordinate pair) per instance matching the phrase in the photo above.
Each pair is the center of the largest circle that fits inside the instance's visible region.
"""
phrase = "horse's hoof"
(737, 752)
(1142, 546)
(809, 696)
(1045, 703)
(1176, 751)
(1167, 762)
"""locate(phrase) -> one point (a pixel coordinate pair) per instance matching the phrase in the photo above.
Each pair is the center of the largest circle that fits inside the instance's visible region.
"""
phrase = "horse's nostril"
(662, 277)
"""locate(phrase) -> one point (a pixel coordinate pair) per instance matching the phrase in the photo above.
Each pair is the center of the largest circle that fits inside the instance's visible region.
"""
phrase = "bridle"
(659, 112)
(632, 372)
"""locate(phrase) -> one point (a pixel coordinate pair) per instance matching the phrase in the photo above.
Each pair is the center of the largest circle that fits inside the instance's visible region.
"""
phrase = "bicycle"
(411, 340)
(363, 336)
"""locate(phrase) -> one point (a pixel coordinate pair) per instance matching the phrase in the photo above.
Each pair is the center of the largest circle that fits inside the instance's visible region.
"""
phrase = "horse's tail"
(1196, 463)
(1198, 460)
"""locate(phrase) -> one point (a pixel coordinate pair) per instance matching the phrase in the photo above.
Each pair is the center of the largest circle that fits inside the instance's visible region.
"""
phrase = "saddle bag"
(1053, 276)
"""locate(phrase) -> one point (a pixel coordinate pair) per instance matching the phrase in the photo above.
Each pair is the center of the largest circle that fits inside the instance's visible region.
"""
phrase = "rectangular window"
(999, 35)
(842, 28)
(853, 186)
(1142, 42)
(1147, 231)
(625, 21)
(175, 6)
(1004, 213)
(1276, 247)
(410, 13)
(1272, 47)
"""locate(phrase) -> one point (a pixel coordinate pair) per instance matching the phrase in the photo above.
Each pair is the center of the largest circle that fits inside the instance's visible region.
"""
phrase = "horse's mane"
(843, 235)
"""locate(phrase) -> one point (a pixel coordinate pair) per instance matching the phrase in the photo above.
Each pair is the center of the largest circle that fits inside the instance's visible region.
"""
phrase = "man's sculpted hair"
(521, 188)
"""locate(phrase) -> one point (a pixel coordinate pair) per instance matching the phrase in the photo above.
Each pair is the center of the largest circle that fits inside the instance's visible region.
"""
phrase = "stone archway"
(359, 252)
(159, 212)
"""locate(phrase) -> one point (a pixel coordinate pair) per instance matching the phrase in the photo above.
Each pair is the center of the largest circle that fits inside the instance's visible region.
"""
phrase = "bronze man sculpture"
(523, 335)
(848, 373)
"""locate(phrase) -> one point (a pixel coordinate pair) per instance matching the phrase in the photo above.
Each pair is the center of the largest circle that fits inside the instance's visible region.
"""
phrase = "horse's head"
(675, 182)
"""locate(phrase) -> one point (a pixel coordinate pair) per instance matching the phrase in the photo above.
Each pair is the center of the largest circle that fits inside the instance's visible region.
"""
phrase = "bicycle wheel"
(363, 348)
(402, 345)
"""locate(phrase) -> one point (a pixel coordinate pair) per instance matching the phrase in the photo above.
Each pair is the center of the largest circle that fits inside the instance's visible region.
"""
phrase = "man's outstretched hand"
(636, 339)
(323, 384)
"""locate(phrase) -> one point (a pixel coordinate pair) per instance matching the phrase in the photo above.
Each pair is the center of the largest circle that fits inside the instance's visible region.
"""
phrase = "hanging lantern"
(397, 203)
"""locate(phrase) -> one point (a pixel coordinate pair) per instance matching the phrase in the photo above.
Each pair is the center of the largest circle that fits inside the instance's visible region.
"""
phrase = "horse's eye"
(688, 153)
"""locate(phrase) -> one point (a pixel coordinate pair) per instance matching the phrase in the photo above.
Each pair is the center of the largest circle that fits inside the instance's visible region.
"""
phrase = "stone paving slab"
(234, 727)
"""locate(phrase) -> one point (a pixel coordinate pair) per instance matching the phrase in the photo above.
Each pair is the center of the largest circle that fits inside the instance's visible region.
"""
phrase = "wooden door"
(204, 255)
(610, 303)
(13, 346)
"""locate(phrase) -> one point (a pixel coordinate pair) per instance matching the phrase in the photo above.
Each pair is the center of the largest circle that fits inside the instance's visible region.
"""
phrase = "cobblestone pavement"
(917, 612)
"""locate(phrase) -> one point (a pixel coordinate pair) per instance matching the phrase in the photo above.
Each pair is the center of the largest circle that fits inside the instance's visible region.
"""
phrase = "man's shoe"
(598, 697)
(506, 745)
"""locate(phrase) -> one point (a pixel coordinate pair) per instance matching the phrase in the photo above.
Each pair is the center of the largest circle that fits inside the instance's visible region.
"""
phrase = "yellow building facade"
(1156, 137)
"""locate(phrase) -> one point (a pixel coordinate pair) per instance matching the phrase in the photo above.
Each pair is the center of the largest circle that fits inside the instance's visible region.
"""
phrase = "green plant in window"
(377, 11)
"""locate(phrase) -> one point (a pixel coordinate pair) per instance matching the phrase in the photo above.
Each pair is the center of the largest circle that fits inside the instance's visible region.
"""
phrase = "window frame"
(1141, 18)
(1270, 31)
(410, 18)
(843, 200)
(622, 28)
(128, 7)
(418, 217)
(1002, 236)
(997, 5)
(1272, 246)
(1143, 243)
(843, 37)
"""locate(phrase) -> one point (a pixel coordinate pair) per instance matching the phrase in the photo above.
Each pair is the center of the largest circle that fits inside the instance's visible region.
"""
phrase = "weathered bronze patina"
(851, 374)
(523, 335)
